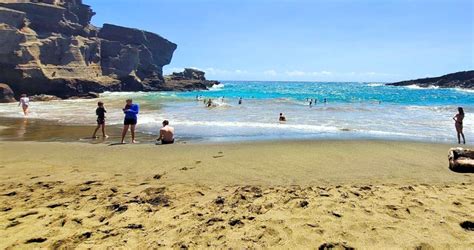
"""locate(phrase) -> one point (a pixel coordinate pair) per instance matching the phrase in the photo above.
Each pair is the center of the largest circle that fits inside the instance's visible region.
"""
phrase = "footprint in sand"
(467, 225)
(134, 226)
(330, 245)
(36, 240)
(219, 155)
(186, 168)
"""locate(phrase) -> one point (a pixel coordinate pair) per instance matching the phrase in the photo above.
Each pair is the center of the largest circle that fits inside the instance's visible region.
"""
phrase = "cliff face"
(464, 79)
(50, 47)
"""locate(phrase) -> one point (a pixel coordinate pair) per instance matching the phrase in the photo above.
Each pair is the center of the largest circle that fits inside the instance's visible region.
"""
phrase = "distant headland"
(50, 47)
(464, 79)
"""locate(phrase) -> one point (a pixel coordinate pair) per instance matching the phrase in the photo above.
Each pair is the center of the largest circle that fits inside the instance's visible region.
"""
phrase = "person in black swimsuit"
(100, 112)
(458, 119)
(282, 118)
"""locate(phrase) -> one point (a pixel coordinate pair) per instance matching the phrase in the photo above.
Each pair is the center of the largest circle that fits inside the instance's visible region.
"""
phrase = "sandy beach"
(306, 194)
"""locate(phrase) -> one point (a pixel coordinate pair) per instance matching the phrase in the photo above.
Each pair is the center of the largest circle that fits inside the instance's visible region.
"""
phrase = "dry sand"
(298, 195)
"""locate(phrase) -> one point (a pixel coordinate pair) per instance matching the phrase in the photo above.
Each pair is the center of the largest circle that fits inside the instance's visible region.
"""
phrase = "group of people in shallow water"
(130, 121)
(167, 132)
(314, 101)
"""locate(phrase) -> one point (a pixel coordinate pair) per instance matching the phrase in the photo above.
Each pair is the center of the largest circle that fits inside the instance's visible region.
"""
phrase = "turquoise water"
(352, 111)
(340, 93)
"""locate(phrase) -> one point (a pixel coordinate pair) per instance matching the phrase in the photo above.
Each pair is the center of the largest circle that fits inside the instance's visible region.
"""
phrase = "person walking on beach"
(131, 111)
(166, 133)
(100, 112)
(24, 103)
(458, 119)
(282, 118)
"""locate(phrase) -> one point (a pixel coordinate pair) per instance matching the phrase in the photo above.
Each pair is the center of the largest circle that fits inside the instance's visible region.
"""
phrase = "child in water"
(100, 112)
(24, 103)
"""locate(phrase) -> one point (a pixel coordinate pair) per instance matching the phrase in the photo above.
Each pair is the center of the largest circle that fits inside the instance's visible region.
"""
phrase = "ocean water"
(352, 111)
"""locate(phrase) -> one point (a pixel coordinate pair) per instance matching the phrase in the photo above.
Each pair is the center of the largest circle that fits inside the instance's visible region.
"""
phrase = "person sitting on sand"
(24, 103)
(282, 118)
(131, 111)
(100, 112)
(458, 118)
(166, 133)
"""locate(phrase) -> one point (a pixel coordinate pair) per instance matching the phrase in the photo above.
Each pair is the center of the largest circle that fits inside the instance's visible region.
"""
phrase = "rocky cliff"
(189, 79)
(50, 47)
(464, 79)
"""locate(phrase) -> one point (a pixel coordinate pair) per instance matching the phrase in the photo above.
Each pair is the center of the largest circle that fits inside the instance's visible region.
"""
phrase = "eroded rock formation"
(461, 160)
(50, 47)
(189, 79)
(464, 79)
(6, 94)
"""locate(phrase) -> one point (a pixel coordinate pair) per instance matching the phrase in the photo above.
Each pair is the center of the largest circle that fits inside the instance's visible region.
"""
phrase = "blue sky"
(306, 40)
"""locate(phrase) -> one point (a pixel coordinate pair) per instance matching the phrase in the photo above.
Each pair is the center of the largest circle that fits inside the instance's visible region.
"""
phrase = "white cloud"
(238, 71)
(321, 75)
(270, 72)
(299, 73)
(296, 73)
(168, 71)
(211, 71)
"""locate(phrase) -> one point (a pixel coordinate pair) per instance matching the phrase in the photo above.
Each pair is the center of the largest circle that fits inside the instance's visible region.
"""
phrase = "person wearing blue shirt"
(131, 111)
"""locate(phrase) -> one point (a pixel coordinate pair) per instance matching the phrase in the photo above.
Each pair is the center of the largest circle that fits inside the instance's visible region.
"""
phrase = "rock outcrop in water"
(6, 94)
(189, 79)
(464, 79)
(50, 47)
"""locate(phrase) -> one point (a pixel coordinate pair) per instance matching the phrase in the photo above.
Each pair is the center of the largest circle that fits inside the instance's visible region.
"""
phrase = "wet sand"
(307, 194)
(23, 129)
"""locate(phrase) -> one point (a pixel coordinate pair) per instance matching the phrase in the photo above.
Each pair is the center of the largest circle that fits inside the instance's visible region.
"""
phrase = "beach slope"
(307, 194)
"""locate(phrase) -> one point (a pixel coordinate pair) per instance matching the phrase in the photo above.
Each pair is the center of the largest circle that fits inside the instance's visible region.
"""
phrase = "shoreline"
(42, 130)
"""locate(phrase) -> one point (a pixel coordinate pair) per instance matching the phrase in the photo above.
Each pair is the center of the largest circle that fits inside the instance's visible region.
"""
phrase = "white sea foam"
(375, 84)
(418, 87)
(217, 87)
(464, 90)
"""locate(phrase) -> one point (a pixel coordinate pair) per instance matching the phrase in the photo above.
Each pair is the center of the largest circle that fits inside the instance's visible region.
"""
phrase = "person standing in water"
(310, 103)
(100, 112)
(240, 100)
(131, 111)
(24, 103)
(458, 119)
(209, 103)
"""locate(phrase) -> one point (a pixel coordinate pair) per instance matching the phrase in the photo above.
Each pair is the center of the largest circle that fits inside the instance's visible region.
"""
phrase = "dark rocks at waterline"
(6, 94)
(188, 80)
(464, 79)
